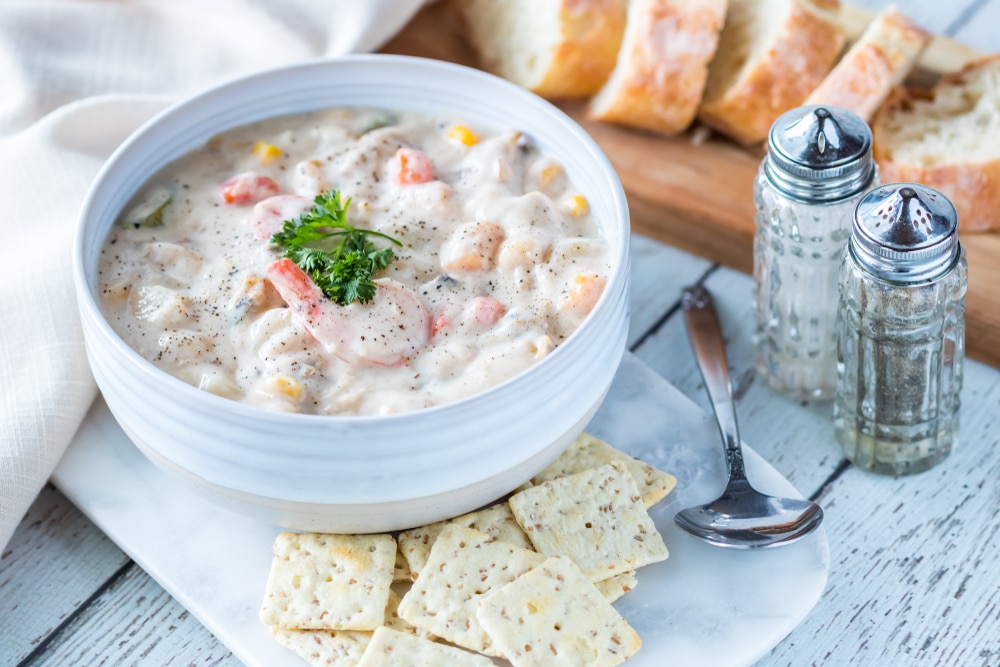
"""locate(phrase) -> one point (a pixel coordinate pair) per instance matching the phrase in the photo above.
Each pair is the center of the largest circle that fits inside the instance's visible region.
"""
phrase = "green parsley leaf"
(340, 259)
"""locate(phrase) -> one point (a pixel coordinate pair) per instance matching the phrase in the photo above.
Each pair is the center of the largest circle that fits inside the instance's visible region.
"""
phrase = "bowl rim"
(89, 308)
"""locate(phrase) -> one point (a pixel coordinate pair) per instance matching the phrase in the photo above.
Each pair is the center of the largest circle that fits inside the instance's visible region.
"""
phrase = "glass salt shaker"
(902, 331)
(819, 164)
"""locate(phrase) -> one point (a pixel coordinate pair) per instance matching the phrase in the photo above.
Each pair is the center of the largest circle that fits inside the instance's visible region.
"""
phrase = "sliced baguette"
(772, 54)
(662, 66)
(875, 64)
(948, 139)
(555, 48)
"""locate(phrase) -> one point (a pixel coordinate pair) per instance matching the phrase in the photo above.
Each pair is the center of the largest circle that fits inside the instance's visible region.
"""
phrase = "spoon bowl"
(742, 517)
(745, 518)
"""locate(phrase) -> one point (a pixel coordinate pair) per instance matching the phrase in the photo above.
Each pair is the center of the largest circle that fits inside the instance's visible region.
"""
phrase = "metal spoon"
(742, 517)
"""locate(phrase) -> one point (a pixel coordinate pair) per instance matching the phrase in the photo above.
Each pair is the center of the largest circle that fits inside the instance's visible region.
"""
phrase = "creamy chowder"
(500, 260)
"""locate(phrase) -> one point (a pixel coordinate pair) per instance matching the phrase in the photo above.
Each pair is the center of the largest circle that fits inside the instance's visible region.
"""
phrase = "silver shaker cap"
(819, 154)
(905, 232)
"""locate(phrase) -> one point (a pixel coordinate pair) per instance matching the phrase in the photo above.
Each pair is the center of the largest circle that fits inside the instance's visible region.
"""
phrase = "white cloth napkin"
(75, 79)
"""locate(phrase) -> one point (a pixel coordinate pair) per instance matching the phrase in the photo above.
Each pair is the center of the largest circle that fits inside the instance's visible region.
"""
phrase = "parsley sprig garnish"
(340, 258)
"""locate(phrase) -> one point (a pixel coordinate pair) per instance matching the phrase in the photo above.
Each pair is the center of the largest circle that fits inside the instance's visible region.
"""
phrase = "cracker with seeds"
(596, 517)
(617, 586)
(464, 564)
(554, 615)
(588, 452)
(496, 521)
(415, 545)
(390, 648)
(338, 648)
(396, 622)
(400, 569)
(329, 582)
(324, 648)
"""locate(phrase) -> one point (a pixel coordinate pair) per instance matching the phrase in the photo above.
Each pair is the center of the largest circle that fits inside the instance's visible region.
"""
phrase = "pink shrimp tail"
(294, 285)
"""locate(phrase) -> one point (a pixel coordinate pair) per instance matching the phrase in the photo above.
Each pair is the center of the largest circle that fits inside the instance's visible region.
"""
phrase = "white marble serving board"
(702, 606)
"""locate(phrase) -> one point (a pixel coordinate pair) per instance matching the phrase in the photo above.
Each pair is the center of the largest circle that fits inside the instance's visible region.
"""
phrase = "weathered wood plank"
(135, 622)
(658, 272)
(54, 562)
(979, 28)
(914, 570)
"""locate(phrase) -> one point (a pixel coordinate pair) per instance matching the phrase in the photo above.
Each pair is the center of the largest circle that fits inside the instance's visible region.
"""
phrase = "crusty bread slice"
(875, 64)
(556, 48)
(771, 55)
(948, 139)
(662, 66)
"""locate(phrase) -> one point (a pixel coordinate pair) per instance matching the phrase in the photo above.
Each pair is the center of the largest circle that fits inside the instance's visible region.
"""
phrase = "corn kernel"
(290, 387)
(577, 206)
(266, 152)
(548, 175)
(463, 135)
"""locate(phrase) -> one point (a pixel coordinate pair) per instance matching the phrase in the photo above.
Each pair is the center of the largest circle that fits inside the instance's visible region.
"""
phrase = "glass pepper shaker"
(902, 331)
(819, 164)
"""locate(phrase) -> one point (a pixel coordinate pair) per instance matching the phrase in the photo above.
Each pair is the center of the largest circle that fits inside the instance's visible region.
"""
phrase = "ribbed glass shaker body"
(817, 168)
(901, 347)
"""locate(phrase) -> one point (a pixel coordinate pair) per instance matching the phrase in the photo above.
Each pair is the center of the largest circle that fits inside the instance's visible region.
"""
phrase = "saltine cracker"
(390, 648)
(588, 452)
(329, 582)
(464, 565)
(496, 521)
(553, 614)
(596, 517)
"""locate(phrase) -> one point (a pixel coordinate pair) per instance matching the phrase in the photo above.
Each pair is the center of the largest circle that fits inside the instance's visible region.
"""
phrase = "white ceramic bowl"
(358, 474)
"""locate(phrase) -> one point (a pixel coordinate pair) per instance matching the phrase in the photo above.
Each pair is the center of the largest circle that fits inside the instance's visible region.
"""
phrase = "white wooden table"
(915, 562)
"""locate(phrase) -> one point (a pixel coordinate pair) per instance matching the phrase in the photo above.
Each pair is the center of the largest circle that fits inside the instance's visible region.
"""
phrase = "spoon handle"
(705, 334)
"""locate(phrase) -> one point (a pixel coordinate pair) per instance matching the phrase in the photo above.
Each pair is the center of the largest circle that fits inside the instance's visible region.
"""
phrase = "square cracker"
(496, 521)
(329, 582)
(617, 586)
(415, 545)
(596, 517)
(396, 622)
(464, 565)
(552, 614)
(337, 648)
(588, 452)
(390, 648)
(324, 648)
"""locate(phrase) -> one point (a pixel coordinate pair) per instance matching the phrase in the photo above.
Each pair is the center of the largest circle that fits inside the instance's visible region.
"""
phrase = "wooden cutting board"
(698, 196)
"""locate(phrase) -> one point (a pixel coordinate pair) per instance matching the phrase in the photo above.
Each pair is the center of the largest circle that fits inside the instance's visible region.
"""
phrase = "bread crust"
(592, 31)
(972, 185)
(874, 65)
(662, 66)
(582, 53)
(802, 52)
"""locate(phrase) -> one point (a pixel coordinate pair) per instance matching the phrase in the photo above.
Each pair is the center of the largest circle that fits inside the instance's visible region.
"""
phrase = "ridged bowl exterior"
(358, 474)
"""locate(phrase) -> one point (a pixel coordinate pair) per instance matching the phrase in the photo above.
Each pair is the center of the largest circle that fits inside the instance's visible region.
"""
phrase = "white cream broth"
(501, 261)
